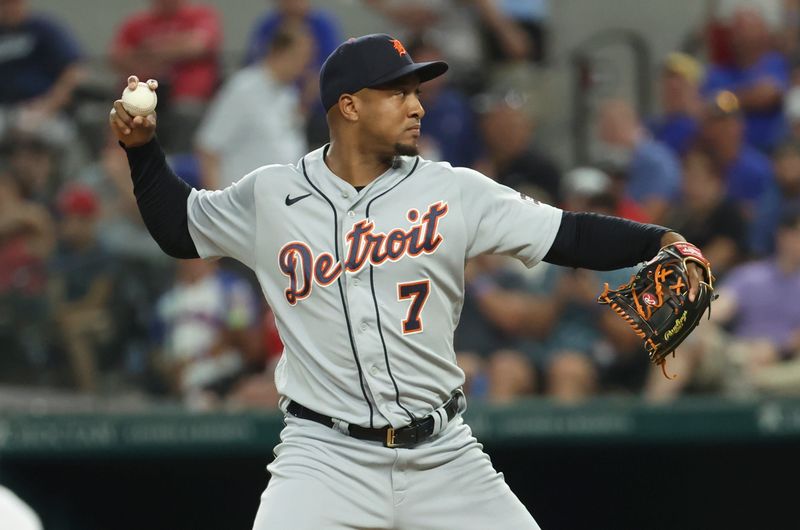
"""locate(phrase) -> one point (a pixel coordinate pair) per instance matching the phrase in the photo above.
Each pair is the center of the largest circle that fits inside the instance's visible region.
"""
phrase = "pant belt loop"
(341, 426)
(440, 419)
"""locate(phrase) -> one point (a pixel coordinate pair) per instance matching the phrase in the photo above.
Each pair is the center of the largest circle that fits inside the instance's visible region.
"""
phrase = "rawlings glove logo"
(677, 327)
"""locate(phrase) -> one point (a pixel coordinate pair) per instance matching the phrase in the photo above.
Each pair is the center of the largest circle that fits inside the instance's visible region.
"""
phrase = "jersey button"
(374, 370)
(345, 194)
(351, 213)
(364, 326)
(356, 281)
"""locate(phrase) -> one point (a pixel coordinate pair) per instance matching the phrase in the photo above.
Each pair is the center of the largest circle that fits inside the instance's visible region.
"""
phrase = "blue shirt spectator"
(763, 128)
(772, 206)
(323, 27)
(33, 55)
(781, 197)
(676, 131)
(450, 123)
(654, 171)
(679, 87)
(450, 126)
(651, 171)
(747, 171)
(749, 175)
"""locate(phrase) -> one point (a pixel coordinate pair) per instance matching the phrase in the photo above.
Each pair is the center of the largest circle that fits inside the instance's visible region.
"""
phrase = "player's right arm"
(160, 194)
(186, 223)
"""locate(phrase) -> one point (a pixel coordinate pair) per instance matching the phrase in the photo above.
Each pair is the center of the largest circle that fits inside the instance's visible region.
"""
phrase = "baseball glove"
(655, 302)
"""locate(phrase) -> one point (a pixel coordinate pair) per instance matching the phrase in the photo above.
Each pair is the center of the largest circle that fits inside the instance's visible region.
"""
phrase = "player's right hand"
(133, 131)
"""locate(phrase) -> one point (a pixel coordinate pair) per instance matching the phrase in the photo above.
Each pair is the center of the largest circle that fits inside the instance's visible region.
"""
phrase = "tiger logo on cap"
(398, 46)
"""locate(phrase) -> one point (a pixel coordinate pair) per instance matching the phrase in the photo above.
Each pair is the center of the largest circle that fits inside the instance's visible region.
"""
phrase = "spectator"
(652, 170)
(538, 331)
(137, 258)
(513, 29)
(324, 30)
(40, 63)
(759, 77)
(450, 126)
(121, 229)
(451, 25)
(178, 43)
(255, 119)
(257, 390)
(35, 162)
(747, 171)
(756, 329)
(781, 197)
(323, 27)
(588, 351)
(718, 28)
(546, 335)
(82, 282)
(511, 157)
(706, 217)
(206, 331)
(485, 340)
(587, 188)
(26, 240)
(681, 104)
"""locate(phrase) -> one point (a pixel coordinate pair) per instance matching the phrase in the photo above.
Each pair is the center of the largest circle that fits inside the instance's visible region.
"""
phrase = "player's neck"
(354, 166)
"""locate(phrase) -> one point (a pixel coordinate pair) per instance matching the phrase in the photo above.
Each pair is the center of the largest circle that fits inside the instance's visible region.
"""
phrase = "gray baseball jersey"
(367, 287)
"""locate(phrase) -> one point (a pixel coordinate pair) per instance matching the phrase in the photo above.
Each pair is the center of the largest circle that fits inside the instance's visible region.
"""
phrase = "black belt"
(416, 432)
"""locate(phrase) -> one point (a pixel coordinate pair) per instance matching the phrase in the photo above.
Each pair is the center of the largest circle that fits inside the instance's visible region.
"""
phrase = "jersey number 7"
(418, 293)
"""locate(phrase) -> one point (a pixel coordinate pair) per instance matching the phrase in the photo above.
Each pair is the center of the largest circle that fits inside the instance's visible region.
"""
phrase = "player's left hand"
(696, 273)
(666, 298)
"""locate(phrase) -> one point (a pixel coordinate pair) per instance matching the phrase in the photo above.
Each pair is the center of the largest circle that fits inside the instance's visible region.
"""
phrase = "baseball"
(139, 102)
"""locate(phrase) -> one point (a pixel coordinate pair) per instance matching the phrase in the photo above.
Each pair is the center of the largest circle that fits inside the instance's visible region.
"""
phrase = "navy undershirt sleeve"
(602, 243)
(161, 196)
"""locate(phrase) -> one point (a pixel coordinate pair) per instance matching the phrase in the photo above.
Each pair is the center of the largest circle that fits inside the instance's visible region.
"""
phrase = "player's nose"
(417, 110)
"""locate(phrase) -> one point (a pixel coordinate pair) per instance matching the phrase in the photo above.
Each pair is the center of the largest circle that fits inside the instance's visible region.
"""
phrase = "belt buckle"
(390, 438)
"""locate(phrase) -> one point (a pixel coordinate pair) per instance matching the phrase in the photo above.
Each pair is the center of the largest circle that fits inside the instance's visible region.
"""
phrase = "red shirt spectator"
(175, 42)
(271, 339)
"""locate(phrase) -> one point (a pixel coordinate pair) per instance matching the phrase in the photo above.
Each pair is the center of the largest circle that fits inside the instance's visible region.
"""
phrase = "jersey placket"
(362, 302)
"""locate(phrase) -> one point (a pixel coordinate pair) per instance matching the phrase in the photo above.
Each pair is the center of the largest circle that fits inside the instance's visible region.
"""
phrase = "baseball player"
(360, 250)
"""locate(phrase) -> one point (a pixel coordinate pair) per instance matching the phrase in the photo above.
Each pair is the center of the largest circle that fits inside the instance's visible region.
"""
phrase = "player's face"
(391, 116)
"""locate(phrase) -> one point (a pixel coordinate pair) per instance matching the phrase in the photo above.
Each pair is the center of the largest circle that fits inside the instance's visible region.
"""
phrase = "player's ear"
(348, 107)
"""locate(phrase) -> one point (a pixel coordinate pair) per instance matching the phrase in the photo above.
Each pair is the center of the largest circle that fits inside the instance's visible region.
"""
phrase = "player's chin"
(406, 149)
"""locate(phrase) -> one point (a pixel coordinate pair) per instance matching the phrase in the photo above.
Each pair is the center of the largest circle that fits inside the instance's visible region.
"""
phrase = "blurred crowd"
(89, 304)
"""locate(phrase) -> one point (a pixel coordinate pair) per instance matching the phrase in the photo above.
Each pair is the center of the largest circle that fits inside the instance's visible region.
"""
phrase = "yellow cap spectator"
(686, 66)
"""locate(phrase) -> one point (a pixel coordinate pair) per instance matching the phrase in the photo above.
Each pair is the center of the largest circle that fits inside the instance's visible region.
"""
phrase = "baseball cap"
(78, 200)
(367, 62)
(723, 104)
(586, 181)
(685, 66)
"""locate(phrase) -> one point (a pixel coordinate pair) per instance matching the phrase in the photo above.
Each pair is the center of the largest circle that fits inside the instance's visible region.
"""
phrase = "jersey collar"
(342, 192)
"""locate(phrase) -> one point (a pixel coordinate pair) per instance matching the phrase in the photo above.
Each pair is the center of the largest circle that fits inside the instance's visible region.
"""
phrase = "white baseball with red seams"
(140, 101)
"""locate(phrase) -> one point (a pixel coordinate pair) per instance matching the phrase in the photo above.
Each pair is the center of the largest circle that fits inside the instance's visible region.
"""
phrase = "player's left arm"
(504, 221)
(601, 242)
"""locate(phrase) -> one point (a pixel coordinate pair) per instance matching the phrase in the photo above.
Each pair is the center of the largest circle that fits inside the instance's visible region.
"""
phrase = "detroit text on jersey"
(364, 244)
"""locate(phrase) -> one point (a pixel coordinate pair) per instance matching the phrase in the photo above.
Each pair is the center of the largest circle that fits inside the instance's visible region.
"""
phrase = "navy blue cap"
(367, 62)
